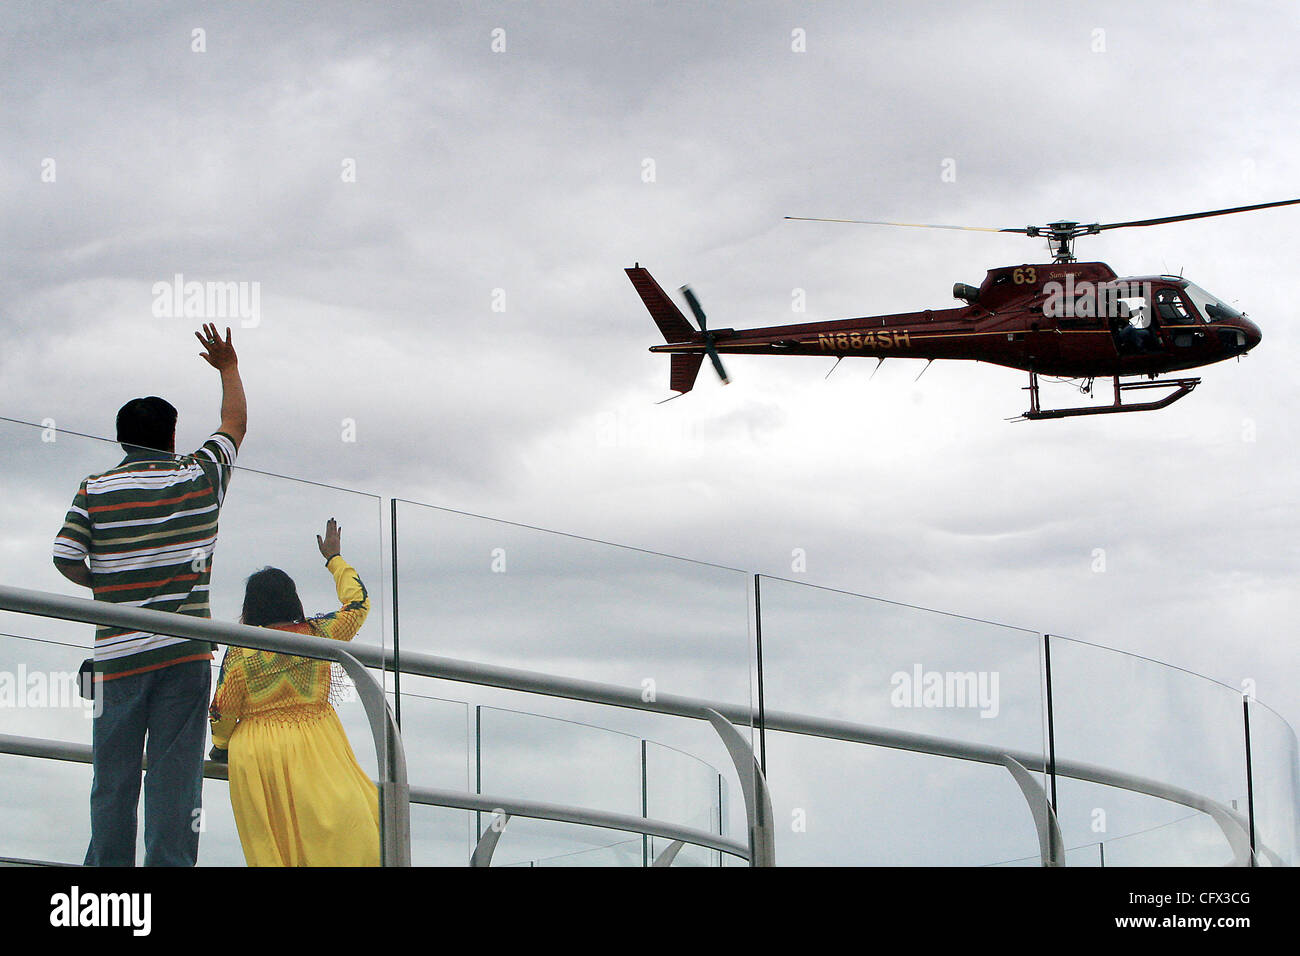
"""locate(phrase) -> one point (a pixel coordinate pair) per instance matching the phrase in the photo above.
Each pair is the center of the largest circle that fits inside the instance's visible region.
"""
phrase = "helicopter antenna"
(838, 360)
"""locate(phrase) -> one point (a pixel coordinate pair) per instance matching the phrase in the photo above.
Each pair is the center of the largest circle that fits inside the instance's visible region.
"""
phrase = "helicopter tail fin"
(685, 367)
(672, 324)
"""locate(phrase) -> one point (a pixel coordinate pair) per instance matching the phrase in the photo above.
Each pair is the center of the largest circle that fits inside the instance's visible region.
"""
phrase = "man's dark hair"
(271, 597)
(147, 423)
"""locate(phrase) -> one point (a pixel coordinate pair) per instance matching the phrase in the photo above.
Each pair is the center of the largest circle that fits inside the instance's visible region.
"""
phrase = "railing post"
(758, 801)
(668, 855)
(1051, 847)
(487, 843)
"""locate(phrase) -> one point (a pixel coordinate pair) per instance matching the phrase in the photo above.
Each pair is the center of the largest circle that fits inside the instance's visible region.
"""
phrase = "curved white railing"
(396, 794)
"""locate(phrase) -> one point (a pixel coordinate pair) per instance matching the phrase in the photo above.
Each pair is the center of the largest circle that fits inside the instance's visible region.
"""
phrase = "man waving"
(143, 533)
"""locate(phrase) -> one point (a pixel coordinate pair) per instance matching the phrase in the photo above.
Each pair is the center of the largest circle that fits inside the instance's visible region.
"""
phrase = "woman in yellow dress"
(300, 797)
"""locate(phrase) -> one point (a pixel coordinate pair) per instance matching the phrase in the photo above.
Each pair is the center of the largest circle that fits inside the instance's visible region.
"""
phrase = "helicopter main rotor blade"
(911, 225)
(1197, 215)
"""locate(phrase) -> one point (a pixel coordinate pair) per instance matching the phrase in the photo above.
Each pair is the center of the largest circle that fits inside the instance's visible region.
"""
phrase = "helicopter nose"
(1253, 334)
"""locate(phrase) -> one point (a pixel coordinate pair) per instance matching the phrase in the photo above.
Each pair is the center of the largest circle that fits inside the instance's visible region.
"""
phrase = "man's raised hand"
(220, 355)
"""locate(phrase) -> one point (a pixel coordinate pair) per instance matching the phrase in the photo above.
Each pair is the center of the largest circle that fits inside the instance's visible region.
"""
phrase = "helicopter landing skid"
(1181, 386)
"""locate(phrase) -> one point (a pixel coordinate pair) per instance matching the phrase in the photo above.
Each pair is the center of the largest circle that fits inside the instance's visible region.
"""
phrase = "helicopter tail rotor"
(686, 346)
(709, 348)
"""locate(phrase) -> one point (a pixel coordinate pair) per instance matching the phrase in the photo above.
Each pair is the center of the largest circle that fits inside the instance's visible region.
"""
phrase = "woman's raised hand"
(329, 545)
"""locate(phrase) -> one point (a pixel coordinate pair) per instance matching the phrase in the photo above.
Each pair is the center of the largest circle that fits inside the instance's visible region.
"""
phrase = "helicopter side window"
(1172, 310)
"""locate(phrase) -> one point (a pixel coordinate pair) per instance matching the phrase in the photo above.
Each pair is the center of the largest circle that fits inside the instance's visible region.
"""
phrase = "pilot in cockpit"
(1134, 333)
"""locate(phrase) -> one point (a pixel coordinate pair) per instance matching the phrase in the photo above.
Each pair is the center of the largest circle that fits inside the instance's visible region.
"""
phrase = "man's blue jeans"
(169, 708)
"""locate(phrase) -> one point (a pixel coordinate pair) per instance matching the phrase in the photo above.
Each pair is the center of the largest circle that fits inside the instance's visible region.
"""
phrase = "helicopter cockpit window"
(1212, 308)
(1172, 309)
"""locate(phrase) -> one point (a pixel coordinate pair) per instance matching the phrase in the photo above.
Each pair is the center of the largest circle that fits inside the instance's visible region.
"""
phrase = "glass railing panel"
(39, 694)
(532, 757)
(683, 789)
(1089, 854)
(1142, 726)
(45, 803)
(844, 804)
(535, 757)
(45, 814)
(622, 853)
(905, 672)
(219, 841)
(1275, 766)
(436, 735)
(440, 836)
(554, 844)
(45, 810)
(496, 592)
(499, 593)
(1169, 840)
(1186, 840)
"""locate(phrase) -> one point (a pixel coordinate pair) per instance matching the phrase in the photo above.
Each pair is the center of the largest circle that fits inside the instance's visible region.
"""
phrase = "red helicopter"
(1075, 320)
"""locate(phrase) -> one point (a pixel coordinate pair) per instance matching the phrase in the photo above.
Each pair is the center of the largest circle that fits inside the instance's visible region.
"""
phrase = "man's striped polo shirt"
(149, 527)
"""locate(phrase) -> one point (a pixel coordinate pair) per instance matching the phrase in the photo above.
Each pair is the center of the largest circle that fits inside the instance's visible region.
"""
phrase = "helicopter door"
(1134, 329)
(1181, 327)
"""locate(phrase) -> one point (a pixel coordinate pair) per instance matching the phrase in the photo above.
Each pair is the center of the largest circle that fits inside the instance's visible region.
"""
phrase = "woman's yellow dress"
(300, 797)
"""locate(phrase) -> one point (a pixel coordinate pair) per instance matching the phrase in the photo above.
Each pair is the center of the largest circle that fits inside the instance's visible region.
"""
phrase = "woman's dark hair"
(271, 597)
(147, 423)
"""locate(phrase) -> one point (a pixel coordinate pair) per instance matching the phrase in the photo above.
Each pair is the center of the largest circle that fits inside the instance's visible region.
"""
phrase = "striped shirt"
(149, 527)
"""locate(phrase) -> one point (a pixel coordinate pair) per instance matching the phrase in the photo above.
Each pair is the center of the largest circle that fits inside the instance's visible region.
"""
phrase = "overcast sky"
(436, 202)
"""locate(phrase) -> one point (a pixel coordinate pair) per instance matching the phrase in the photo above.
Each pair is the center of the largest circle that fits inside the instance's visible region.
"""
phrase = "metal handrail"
(460, 800)
(1234, 825)
(540, 810)
(429, 665)
(394, 804)
(509, 678)
(395, 792)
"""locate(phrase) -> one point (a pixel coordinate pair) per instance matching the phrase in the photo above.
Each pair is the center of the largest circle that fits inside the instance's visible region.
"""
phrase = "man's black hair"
(271, 597)
(147, 423)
